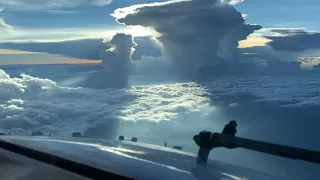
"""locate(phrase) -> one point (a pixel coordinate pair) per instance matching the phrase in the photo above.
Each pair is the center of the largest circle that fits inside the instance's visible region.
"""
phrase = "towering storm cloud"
(195, 33)
(116, 60)
(116, 64)
(118, 56)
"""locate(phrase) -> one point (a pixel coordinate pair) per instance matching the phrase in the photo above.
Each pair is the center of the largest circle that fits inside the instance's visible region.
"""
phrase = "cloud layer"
(29, 97)
(288, 90)
(117, 60)
(294, 40)
(29, 103)
(170, 113)
(193, 37)
(84, 48)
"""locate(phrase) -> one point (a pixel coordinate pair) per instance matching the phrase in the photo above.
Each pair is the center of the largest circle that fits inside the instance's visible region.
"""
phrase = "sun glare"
(138, 31)
(253, 41)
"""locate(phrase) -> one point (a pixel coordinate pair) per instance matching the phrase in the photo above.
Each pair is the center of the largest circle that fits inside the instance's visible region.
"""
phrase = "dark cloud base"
(294, 40)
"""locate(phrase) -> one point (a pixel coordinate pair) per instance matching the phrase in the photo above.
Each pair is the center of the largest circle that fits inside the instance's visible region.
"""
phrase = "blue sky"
(282, 13)
(45, 20)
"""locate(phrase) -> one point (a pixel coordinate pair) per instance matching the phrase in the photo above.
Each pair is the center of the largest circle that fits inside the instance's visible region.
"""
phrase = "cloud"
(83, 48)
(30, 35)
(150, 65)
(118, 55)
(284, 89)
(233, 105)
(170, 113)
(40, 58)
(280, 46)
(253, 41)
(117, 58)
(31, 103)
(146, 47)
(230, 41)
(11, 51)
(27, 5)
(60, 34)
(150, 59)
(55, 11)
(233, 2)
(5, 29)
(3, 25)
(155, 103)
(101, 2)
(294, 40)
(268, 54)
(244, 15)
(286, 31)
(116, 61)
(264, 109)
(193, 37)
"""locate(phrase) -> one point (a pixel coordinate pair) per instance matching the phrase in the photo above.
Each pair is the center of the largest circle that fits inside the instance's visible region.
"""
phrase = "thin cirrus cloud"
(63, 34)
(33, 5)
(3, 25)
(64, 12)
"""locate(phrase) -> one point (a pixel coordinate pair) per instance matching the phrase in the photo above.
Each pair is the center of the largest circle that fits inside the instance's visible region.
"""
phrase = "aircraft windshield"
(161, 71)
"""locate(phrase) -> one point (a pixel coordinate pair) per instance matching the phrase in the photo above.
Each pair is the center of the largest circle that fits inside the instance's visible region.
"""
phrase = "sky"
(44, 21)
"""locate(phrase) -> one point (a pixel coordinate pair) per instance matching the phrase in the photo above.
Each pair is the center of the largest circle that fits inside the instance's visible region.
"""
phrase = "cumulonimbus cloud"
(194, 33)
(117, 58)
(116, 61)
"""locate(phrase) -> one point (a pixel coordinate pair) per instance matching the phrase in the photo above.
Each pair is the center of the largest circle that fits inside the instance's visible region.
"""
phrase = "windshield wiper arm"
(207, 141)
